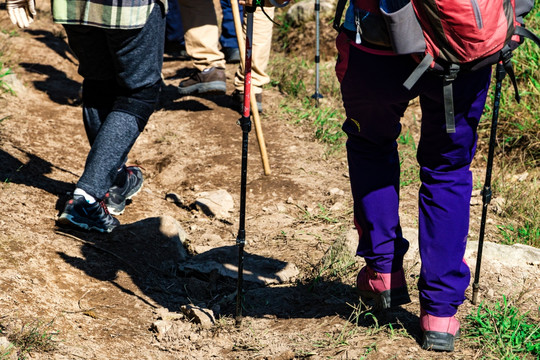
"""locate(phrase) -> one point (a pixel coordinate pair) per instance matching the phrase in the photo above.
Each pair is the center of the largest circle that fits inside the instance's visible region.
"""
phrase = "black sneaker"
(211, 80)
(117, 195)
(87, 216)
(238, 100)
(232, 55)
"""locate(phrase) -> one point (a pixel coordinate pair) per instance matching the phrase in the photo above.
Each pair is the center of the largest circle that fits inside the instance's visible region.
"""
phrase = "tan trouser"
(262, 43)
(201, 33)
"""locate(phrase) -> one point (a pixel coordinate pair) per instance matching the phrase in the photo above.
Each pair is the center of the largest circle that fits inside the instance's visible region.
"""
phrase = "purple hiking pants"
(375, 99)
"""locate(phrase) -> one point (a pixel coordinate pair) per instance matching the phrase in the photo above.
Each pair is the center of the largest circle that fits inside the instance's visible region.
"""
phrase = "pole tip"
(475, 296)
(238, 321)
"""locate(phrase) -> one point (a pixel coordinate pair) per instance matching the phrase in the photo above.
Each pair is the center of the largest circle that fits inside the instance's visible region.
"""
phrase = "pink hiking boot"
(386, 289)
(439, 332)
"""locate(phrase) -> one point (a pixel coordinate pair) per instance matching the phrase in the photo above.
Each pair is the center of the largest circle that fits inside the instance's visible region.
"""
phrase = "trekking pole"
(245, 124)
(254, 108)
(500, 72)
(317, 94)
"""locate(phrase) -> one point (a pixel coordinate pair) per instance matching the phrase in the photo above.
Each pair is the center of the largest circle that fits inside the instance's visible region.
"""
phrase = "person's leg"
(262, 44)
(136, 61)
(444, 202)
(202, 45)
(228, 40)
(445, 192)
(201, 33)
(174, 31)
(375, 100)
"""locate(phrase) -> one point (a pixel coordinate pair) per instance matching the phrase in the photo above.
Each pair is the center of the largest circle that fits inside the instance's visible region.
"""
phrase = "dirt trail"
(106, 293)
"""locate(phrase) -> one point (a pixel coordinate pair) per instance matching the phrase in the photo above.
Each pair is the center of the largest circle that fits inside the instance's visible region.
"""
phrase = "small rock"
(498, 205)
(336, 207)
(211, 238)
(160, 327)
(14, 84)
(351, 240)
(521, 177)
(303, 11)
(217, 203)
(336, 191)
(290, 200)
(204, 317)
(172, 229)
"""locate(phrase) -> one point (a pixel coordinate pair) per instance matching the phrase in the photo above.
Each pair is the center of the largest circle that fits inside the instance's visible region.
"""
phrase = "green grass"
(294, 77)
(502, 332)
(32, 337)
(4, 86)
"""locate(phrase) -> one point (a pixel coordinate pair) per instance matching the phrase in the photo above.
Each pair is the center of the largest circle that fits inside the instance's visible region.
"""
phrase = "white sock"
(89, 198)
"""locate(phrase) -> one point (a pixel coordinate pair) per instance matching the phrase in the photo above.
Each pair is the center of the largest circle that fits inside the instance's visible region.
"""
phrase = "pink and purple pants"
(375, 99)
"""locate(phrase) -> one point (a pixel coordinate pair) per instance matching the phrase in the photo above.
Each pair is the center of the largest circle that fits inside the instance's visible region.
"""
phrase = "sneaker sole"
(69, 221)
(213, 87)
(438, 341)
(387, 299)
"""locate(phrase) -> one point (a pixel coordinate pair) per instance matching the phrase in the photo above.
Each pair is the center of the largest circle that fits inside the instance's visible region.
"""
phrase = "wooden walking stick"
(253, 101)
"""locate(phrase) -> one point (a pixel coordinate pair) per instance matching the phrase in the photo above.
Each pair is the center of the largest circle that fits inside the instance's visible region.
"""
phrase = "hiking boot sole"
(387, 299)
(438, 341)
(213, 87)
(74, 222)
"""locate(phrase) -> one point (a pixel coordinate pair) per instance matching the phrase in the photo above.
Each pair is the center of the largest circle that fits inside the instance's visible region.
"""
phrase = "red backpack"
(447, 36)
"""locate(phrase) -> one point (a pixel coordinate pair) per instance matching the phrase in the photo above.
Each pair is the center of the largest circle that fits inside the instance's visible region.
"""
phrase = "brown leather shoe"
(208, 81)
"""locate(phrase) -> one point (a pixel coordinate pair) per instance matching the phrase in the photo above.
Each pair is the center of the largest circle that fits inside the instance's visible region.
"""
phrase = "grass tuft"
(502, 332)
(35, 336)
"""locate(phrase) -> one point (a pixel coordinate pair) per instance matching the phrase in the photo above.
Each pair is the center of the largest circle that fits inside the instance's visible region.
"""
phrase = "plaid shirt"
(109, 14)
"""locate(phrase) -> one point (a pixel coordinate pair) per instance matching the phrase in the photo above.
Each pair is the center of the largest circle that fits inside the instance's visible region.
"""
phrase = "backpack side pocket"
(406, 35)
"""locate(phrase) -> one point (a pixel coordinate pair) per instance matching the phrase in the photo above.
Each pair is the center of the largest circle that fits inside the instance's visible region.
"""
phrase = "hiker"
(120, 62)
(375, 99)
(202, 44)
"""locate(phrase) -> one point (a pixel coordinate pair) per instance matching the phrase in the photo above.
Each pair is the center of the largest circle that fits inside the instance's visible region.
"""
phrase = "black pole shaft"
(241, 238)
(245, 123)
(486, 191)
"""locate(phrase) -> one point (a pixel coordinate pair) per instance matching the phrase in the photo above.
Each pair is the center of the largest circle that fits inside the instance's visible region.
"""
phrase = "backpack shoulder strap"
(524, 32)
(339, 14)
